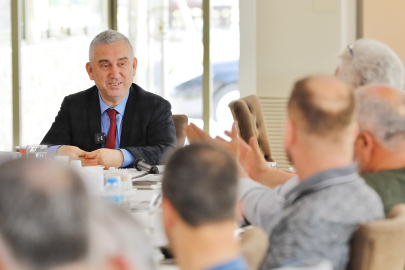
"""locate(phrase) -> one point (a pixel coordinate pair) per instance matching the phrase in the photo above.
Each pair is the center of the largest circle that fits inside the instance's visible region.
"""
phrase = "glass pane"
(225, 62)
(57, 36)
(167, 40)
(6, 130)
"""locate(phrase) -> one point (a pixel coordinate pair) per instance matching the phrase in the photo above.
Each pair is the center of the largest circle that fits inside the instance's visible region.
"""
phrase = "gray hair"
(109, 37)
(371, 61)
(201, 182)
(43, 213)
(383, 118)
(116, 232)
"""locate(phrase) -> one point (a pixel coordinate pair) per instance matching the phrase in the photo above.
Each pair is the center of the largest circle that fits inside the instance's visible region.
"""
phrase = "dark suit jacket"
(147, 129)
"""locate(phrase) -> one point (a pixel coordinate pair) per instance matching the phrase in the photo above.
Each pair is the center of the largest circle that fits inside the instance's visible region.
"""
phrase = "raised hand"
(196, 135)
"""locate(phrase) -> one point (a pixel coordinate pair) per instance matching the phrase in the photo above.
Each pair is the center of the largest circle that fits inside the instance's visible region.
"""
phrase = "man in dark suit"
(115, 121)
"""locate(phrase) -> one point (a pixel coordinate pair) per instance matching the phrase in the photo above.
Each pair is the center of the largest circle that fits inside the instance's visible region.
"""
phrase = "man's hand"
(196, 135)
(107, 157)
(234, 144)
(252, 159)
(72, 151)
(249, 156)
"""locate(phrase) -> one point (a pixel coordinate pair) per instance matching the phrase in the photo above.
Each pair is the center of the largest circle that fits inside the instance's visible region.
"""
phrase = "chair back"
(249, 114)
(179, 120)
(380, 244)
(6, 156)
(254, 243)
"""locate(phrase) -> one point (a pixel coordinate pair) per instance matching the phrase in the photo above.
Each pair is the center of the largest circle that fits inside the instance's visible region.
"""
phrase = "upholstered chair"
(179, 120)
(249, 114)
(380, 244)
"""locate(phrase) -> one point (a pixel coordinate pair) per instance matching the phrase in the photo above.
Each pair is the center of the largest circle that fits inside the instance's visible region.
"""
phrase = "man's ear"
(169, 214)
(364, 150)
(2, 264)
(135, 65)
(290, 134)
(118, 262)
(239, 210)
(337, 71)
(90, 71)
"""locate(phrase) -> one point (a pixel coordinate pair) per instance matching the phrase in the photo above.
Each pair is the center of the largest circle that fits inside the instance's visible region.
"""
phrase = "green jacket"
(389, 184)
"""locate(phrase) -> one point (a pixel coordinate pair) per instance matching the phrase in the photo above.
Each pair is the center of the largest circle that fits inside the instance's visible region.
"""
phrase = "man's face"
(112, 69)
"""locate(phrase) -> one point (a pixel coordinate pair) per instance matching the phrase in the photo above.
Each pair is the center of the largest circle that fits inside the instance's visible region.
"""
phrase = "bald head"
(382, 113)
(323, 106)
(43, 213)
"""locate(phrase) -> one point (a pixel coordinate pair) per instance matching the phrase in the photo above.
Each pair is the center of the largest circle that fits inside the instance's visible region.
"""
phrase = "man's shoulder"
(352, 201)
(384, 175)
(84, 95)
(147, 98)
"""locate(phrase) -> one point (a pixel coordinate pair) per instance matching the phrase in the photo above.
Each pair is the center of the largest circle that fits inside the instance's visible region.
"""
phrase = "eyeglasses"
(350, 48)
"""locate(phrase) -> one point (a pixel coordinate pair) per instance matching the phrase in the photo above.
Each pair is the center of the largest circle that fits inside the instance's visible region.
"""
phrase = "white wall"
(283, 40)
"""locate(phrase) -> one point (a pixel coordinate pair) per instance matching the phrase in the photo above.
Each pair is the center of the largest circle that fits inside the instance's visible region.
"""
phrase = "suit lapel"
(94, 118)
(128, 117)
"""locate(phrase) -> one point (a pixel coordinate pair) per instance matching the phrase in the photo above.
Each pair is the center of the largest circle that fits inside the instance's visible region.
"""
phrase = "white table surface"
(158, 238)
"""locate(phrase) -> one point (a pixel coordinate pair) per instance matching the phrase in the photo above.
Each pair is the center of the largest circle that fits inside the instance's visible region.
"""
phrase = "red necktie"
(111, 133)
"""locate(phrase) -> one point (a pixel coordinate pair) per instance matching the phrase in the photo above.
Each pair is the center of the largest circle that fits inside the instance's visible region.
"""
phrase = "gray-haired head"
(43, 213)
(370, 61)
(116, 233)
(108, 37)
(382, 113)
(200, 181)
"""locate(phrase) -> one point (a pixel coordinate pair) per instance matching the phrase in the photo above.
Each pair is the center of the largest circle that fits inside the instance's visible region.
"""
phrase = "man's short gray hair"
(370, 61)
(43, 213)
(116, 232)
(384, 119)
(109, 37)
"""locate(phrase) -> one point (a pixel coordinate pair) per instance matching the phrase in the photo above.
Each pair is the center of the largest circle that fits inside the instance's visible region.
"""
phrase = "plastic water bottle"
(113, 192)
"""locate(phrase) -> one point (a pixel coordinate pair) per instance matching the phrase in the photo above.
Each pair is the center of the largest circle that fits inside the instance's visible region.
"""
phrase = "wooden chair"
(380, 244)
(249, 114)
(179, 120)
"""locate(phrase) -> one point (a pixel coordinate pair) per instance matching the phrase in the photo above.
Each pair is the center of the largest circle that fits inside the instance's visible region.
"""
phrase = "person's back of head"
(200, 181)
(43, 215)
(381, 141)
(199, 202)
(321, 118)
(369, 61)
(118, 240)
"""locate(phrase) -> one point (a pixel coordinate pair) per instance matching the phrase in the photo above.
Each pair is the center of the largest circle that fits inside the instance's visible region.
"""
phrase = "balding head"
(43, 213)
(382, 113)
(322, 106)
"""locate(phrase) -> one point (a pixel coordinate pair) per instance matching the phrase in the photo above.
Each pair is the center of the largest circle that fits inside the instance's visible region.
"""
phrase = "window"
(167, 40)
(57, 36)
(225, 63)
(5, 77)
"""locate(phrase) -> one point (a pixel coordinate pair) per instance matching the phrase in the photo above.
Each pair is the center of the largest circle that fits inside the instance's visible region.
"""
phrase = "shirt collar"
(322, 180)
(120, 108)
